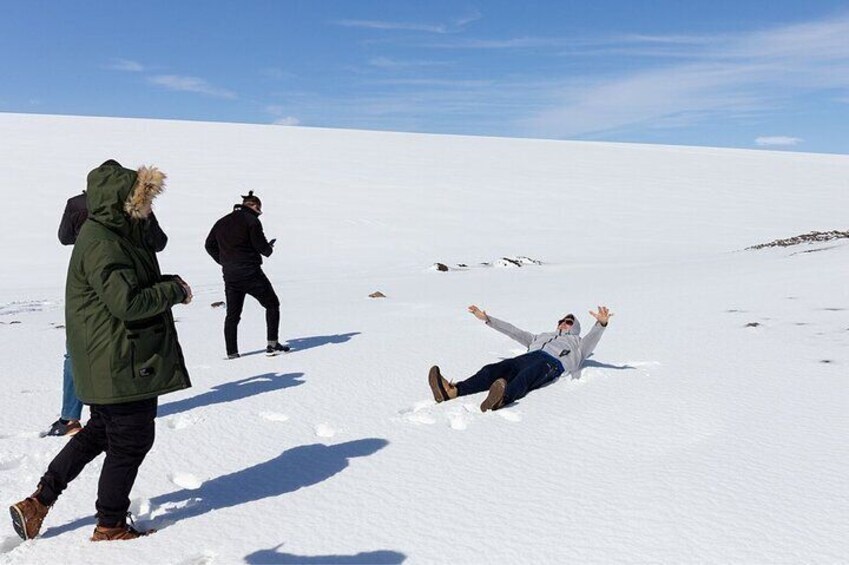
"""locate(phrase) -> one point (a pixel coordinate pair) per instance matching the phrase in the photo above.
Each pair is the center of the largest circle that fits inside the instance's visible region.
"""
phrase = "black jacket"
(76, 213)
(237, 243)
(72, 219)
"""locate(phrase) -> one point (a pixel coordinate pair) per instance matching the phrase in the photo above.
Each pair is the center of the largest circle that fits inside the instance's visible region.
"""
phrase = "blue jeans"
(72, 408)
(523, 374)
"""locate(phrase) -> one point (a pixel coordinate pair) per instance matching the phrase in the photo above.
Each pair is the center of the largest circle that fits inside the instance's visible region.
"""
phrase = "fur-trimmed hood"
(116, 194)
(150, 182)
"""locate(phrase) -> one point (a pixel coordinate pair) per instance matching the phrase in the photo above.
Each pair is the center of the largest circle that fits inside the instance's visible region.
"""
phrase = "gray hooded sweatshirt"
(568, 347)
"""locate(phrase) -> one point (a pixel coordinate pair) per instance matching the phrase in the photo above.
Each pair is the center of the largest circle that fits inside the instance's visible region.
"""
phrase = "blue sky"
(745, 73)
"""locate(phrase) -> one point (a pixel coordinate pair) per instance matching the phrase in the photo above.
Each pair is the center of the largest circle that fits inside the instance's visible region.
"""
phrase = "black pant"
(126, 433)
(260, 288)
(523, 374)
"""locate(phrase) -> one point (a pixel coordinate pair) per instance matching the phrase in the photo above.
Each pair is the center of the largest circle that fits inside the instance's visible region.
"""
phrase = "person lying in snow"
(549, 355)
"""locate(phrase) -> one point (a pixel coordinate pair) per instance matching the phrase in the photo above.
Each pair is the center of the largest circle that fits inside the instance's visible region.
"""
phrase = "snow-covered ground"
(693, 436)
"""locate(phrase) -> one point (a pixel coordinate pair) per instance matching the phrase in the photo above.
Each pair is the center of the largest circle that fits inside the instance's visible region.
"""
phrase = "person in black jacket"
(237, 243)
(73, 218)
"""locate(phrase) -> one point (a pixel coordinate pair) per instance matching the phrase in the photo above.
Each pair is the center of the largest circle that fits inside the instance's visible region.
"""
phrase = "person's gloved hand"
(186, 288)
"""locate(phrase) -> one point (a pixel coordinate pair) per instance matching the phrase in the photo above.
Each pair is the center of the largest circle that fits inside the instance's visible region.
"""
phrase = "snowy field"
(710, 426)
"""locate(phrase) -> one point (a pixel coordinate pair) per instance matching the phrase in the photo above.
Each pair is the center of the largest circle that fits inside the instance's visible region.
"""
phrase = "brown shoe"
(495, 398)
(442, 389)
(27, 516)
(118, 533)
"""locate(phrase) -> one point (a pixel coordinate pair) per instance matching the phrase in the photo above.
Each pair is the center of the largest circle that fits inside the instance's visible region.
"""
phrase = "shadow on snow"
(232, 391)
(294, 469)
(272, 557)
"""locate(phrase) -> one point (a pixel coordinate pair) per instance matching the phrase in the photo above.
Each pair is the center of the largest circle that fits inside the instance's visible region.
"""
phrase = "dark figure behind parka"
(76, 213)
(123, 346)
(237, 243)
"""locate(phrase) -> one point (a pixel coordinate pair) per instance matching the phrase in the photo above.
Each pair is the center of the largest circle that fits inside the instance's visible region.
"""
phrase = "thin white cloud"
(750, 72)
(777, 140)
(287, 121)
(397, 64)
(191, 84)
(454, 26)
(125, 65)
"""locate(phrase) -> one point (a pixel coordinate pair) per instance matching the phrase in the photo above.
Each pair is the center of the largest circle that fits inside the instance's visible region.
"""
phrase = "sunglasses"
(569, 321)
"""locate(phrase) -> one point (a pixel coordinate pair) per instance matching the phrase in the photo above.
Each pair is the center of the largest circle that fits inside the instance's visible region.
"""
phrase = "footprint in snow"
(9, 463)
(274, 416)
(459, 420)
(204, 558)
(325, 430)
(509, 415)
(419, 413)
(185, 480)
(418, 416)
(182, 421)
(9, 543)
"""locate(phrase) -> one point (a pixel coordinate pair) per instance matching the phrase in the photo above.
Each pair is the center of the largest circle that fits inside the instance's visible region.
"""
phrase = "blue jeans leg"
(537, 372)
(72, 408)
(487, 375)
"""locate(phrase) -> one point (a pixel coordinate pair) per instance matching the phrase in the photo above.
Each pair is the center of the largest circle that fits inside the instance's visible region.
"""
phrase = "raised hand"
(603, 315)
(479, 314)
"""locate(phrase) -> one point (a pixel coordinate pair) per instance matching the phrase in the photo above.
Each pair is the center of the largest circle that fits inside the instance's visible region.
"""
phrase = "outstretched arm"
(589, 341)
(511, 331)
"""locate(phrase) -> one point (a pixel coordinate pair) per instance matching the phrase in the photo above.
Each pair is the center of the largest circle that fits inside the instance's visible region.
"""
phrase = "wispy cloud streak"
(454, 26)
(125, 65)
(191, 84)
(777, 140)
(752, 72)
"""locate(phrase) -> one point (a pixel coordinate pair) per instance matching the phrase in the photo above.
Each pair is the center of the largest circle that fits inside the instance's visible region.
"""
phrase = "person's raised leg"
(29, 513)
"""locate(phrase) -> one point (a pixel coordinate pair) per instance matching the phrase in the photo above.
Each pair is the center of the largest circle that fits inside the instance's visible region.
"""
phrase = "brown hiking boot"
(442, 389)
(495, 398)
(118, 533)
(27, 516)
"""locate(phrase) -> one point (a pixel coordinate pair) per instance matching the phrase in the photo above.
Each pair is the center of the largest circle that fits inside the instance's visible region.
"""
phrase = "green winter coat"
(121, 335)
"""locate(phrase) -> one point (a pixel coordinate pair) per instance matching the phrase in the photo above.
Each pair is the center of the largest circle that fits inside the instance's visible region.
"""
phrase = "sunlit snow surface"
(710, 426)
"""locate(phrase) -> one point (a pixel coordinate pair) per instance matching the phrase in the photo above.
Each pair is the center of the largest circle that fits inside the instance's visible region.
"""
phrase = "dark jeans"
(523, 374)
(260, 288)
(126, 433)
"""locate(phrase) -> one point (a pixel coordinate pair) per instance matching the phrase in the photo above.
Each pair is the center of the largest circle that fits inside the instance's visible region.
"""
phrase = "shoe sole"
(495, 397)
(18, 522)
(433, 380)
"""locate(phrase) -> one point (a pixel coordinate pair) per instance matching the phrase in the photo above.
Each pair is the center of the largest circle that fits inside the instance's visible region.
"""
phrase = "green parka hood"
(114, 194)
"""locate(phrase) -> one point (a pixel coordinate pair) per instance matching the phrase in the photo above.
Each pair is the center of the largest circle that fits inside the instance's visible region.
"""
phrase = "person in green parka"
(123, 345)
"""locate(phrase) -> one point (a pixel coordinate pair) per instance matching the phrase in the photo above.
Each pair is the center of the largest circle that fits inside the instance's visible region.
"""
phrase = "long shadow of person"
(232, 391)
(272, 557)
(296, 468)
(302, 343)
